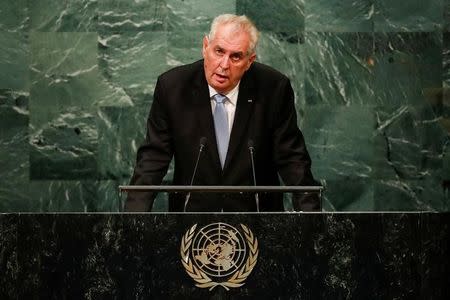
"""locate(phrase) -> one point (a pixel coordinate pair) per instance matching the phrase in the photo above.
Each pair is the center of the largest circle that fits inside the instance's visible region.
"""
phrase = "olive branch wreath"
(202, 279)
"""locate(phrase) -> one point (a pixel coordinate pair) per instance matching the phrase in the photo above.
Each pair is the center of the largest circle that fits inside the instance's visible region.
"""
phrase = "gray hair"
(240, 23)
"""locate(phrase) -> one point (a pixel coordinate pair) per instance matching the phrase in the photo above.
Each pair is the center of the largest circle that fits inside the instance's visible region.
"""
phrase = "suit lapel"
(203, 103)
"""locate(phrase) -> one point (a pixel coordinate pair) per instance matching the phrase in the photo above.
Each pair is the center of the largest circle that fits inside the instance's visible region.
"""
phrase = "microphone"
(251, 148)
(200, 150)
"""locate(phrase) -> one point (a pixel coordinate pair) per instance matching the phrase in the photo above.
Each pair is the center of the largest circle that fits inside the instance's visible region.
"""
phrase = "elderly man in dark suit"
(223, 102)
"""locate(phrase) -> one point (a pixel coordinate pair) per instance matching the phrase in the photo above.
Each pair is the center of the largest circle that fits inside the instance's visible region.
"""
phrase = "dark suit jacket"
(181, 114)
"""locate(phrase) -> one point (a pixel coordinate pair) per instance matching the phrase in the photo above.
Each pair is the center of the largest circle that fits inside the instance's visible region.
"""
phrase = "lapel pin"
(250, 100)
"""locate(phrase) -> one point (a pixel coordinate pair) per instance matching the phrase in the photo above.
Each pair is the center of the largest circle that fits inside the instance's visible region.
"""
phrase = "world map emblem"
(219, 254)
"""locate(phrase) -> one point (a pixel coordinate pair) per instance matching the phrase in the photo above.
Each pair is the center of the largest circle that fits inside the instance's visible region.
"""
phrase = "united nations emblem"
(219, 255)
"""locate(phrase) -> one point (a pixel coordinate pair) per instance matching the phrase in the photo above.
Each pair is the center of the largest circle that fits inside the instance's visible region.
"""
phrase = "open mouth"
(221, 78)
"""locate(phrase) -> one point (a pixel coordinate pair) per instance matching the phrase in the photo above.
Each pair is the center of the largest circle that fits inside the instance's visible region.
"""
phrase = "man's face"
(226, 58)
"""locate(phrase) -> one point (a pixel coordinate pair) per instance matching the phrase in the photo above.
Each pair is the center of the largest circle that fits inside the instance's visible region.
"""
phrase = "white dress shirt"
(230, 104)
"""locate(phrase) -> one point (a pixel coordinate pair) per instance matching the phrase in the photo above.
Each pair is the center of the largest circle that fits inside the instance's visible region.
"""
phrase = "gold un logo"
(218, 254)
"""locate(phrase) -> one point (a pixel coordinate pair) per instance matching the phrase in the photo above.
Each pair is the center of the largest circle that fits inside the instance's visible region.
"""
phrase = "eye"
(236, 57)
(219, 51)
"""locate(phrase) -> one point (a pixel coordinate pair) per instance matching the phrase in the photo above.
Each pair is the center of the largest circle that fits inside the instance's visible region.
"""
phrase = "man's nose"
(225, 62)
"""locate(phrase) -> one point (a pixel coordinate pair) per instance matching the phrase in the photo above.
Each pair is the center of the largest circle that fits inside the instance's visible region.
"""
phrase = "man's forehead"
(231, 38)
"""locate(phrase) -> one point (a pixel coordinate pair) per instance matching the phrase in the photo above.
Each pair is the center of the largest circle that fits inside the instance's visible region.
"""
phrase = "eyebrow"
(239, 53)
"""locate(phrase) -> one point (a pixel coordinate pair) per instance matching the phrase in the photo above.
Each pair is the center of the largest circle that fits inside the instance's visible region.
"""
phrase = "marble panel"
(45, 262)
(324, 256)
(75, 196)
(63, 53)
(412, 140)
(339, 16)
(14, 60)
(406, 64)
(446, 13)
(14, 148)
(446, 80)
(348, 195)
(400, 253)
(62, 69)
(370, 278)
(66, 92)
(282, 17)
(435, 237)
(66, 148)
(340, 150)
(66, 74)
(196, 15)
(121, 132)
(334, 244)
(184, 47)
(14, 16)
(133, 60)
(8, 256)
(418, 15)
(339, 68)
(124, 15)
(411, 195)
(18, 100)
(446, 58)
(63, 16)
(76, 79)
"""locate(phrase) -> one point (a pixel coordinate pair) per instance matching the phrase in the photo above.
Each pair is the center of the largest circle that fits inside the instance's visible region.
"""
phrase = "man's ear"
(251, 59)
(205, 45)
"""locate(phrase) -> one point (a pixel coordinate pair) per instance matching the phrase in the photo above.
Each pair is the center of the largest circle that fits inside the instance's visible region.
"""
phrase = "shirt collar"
(230, 95)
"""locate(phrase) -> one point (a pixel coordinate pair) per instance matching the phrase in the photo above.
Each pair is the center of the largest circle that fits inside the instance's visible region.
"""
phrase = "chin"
(220, 88)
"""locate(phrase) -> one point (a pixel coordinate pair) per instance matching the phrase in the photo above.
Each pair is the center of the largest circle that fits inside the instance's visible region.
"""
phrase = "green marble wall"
(371, 77)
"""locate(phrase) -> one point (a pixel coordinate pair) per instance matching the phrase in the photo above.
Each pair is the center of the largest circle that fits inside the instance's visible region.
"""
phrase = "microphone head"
(203, 141)
(250, 144)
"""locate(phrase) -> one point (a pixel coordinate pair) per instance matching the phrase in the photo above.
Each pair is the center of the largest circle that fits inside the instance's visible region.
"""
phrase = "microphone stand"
(251, 149)
(188, 195)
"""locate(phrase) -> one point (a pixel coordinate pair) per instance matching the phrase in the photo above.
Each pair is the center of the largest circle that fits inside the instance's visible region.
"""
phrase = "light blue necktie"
(221, 127)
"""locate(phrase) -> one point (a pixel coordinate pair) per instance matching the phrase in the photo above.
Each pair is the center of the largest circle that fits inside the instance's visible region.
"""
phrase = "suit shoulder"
(182, 72)
(265, 72)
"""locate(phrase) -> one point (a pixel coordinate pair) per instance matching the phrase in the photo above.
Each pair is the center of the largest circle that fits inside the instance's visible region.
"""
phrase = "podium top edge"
(218, 188)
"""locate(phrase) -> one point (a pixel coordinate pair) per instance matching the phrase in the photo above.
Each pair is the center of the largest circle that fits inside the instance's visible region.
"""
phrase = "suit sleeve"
(291, 156)
(154, 156)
